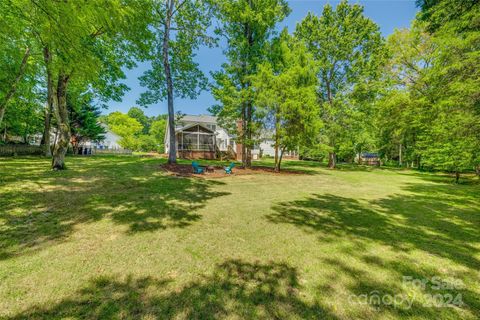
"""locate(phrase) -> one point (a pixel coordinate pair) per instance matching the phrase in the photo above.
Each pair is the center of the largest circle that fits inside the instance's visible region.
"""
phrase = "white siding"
(222, 137)
(267, 147)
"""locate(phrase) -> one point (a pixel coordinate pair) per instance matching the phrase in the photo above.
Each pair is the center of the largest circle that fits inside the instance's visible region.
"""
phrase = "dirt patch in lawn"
(185, 170)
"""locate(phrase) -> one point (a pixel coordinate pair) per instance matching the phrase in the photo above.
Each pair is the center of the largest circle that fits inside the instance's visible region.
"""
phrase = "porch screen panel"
(190, 141)
(206, 142)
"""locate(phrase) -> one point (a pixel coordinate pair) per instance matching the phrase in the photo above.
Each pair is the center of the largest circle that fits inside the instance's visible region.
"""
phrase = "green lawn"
(115, 237)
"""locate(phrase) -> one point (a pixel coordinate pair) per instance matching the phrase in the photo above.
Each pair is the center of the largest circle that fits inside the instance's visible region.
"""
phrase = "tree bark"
(49, 107)
(332, 157)
(61, 114)
(400, 161)
(249, 134)
(277, 169)
(244, 135)
(457, 176)
(332, 160)
(277, 141)
(172, 151)
(248, 113)
(13, 88)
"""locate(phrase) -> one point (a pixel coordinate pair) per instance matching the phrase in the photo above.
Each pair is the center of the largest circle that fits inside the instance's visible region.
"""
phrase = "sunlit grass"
(116, 237)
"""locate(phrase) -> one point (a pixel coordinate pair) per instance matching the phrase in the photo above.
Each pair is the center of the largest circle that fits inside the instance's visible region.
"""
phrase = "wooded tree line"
(333, 87)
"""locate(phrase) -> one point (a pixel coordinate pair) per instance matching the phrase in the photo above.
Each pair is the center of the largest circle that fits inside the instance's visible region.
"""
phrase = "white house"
(110, 142)
(200, 136)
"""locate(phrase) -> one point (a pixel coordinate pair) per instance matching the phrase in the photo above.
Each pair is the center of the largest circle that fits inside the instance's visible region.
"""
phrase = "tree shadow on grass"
(236, 289)
(435, 219)
(130, 193)
(445, 178)
(400, 296)
(440, 220)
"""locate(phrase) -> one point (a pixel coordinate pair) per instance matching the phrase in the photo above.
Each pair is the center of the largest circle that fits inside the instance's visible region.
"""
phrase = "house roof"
(179, 129)
(205, 118)
(369, 155)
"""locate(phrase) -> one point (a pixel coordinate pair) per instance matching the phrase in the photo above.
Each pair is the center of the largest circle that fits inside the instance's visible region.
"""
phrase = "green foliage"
(190, 20)
(429, 111)
(285, 94)
(23, 118)
(147, 143)
(137, 113)
(452, 141)
(132, 131)
(461, 15)
(125, 127)
(157, 132)
(84, 118)
(85, 43)
(247, 25)
(348, 50)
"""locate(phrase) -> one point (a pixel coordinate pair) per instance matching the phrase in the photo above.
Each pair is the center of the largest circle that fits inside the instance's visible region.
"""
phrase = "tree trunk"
(477, 170)
(400, 161)
(332, 160)
(61, 114)
(244, 135)
(49, 107)
(249, 134)
(247, 162)
(277, 168)
(172, 152)
(457, 176)
(277, 142)
(332, 157)
(13, 87)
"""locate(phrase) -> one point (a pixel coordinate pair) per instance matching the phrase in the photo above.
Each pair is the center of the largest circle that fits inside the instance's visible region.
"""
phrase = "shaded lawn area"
(118, 238)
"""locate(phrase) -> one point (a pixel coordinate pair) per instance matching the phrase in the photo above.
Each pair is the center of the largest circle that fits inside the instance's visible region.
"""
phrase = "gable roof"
(205, 118)
(179, 129)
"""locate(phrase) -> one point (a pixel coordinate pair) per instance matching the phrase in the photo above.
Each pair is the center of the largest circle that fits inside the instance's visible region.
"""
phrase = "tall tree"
(452, 140)
(404, 105)
(179, 28)
(346, 45)
(83, 42)
(15, 55)
(84, 118)
(285, 92)
(247, 25)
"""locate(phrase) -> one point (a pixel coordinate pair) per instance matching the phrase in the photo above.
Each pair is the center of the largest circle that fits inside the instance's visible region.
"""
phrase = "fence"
(9, 150)
(20, 150)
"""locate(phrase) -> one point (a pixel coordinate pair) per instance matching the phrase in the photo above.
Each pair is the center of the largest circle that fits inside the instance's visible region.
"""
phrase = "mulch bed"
(185, 170)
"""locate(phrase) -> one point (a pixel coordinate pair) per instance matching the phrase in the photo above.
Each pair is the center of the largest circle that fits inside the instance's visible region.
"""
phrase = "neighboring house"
(368, 158)
(200, 136)
(110, 142)
(266, 147)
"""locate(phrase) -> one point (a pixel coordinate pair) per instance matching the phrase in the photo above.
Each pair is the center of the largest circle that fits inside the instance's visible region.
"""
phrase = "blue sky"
(388, 14)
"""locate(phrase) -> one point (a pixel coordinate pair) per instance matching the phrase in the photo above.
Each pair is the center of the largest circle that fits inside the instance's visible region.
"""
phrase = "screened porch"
(195, 138)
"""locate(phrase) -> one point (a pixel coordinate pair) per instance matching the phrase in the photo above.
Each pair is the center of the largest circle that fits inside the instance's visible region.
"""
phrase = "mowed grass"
(118, 238)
